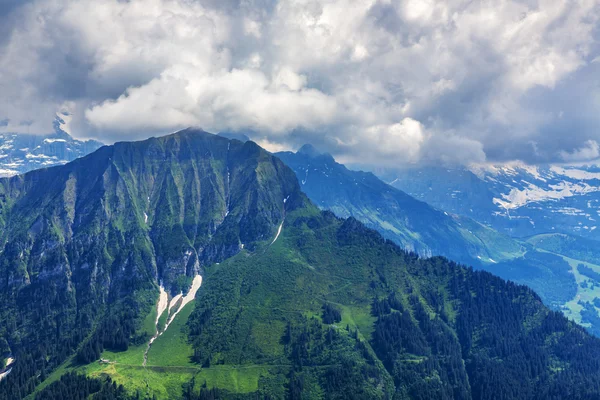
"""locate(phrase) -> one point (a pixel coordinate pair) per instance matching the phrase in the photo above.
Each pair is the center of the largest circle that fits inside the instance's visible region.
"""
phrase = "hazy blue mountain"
(21, 152)
(235, 135)
(516, 199)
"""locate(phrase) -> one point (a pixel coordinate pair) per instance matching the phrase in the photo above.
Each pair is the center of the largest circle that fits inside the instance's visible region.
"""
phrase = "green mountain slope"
(417, 328)
(330, 308)
(294, 303)
(571, 246)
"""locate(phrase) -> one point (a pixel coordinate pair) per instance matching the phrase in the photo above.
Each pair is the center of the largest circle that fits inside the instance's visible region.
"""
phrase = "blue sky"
(373, 82)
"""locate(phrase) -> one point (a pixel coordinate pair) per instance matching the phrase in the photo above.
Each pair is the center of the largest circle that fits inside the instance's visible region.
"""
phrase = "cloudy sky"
(380, 82)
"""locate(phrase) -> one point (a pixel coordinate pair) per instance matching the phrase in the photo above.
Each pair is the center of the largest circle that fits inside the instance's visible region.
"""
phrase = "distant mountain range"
(517, 199)
(193, 266)
(20, 153)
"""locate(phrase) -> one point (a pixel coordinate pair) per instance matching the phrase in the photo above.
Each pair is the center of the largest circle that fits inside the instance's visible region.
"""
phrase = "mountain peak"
(309, 150)
(61, 124)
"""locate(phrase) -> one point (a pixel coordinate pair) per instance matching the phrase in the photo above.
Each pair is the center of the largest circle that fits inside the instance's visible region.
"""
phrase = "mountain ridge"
(113, 161)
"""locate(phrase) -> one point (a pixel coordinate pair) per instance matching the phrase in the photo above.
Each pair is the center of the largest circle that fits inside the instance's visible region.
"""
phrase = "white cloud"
(235, 99)
(590, 151)
(399, 140)
(384, 80)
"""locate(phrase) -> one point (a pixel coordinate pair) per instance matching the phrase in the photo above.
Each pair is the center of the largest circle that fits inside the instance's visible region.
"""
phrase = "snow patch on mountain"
(162, 304)
(54, 140)
(574, 173)
(191, 295)
(519, 197)
(514, 168)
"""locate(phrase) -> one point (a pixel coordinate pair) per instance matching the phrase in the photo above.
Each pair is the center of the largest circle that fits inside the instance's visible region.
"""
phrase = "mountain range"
(193, 266)
(517, 199)
(20, 153)
(546, 263)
